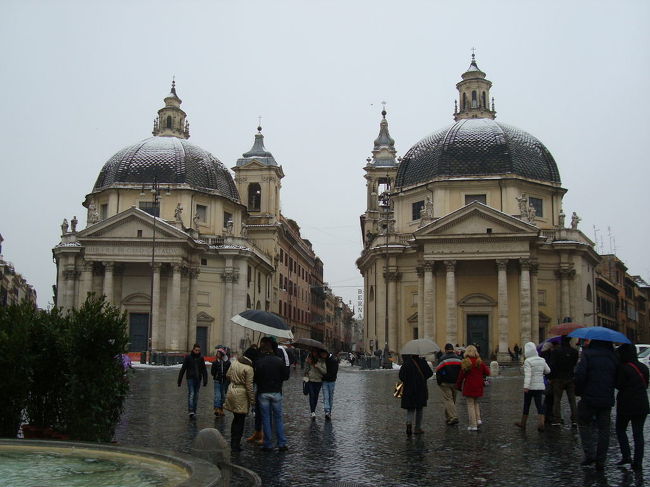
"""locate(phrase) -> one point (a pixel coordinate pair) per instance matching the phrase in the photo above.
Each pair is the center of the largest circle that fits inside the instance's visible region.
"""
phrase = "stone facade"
(14, 288)
(475, 257)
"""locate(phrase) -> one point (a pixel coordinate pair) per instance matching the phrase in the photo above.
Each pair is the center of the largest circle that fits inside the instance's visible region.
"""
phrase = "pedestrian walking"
(631, 404)
(329, 382)
(473, 372)
(563, 361)
(195, 372)
(240, 397)
(270, 372)
(218, 370)
(446, 375)
(595, 379)
(315, 369)
(257, 437)
(535, 367)
(414, 374)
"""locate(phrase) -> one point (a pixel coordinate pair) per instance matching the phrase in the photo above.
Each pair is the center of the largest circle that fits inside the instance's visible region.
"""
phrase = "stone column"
(429, 301)
(502, 308)
(86, 285)
(452, 311)
(564, 274)
(155, 308)
(108, 281)
(60, 282)
(534, 300)
(524, 301)
(421, 328)
(192, 311)
(70, 276)
(393, 326)
(173, 326)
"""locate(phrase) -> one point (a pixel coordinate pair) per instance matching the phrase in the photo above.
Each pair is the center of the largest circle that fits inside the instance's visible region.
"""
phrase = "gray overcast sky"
(80, 80)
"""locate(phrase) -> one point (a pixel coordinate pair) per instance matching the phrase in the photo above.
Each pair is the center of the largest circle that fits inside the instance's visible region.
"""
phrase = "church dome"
(168, 160)
(477, 147)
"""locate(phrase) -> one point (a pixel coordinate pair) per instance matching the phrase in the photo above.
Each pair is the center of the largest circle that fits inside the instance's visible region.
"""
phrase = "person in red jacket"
(471, 382)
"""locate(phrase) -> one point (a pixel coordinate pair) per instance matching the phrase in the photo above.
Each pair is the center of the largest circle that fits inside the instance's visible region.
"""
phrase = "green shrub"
(97, 383)
(15, 322)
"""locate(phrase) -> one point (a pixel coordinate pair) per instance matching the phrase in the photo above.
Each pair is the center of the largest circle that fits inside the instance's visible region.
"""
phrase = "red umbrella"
(564, 328)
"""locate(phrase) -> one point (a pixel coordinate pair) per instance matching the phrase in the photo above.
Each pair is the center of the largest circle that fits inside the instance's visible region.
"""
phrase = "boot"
(522, 424)
(216, 411)
(540, 422)
(260, 438)
(409, 429)
(255, 437)
(220, 412)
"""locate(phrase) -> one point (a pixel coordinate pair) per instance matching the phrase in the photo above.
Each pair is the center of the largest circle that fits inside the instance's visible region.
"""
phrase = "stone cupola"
(171, 121)
(474, 95)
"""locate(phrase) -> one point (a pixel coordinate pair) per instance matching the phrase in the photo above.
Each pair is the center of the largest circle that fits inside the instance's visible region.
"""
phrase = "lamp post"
(384, 199)
(155, 193)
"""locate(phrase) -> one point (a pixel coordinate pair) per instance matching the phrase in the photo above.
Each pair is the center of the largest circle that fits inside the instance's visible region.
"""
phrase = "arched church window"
(371, 294)
(474, 100)
(589, 295)
(483, 100)
(254, 197)
(169, 121)
(248, 302)
(464, 101)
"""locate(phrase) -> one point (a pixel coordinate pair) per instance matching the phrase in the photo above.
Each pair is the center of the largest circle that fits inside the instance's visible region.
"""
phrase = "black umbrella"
(309, 344)
(264, 322)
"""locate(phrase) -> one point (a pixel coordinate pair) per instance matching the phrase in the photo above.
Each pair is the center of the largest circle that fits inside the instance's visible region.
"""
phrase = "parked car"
(644, 357)
(641, 347)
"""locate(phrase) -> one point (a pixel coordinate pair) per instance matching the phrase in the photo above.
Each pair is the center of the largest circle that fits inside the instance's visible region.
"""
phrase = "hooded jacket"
(240, 396)
(534, 369)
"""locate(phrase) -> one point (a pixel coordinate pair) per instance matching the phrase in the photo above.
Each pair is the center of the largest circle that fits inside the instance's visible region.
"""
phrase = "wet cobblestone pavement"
(365, 443)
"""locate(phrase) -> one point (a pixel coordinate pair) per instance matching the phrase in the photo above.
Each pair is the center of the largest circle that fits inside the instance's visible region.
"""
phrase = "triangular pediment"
(132, 223)
(476, 219)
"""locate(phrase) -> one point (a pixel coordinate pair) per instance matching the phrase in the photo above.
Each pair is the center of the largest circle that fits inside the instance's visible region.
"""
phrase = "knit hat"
(449, 346)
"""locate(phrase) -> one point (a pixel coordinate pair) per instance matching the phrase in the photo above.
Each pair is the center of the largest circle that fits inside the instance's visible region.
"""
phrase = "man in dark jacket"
(595, 379)
(270, 372)
(562, 362)
(446, 375)
(329, 382)
(218, 370)
(194, 366)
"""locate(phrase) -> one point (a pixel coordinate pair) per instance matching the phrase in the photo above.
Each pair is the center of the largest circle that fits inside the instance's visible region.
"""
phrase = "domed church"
(170, 241)
(465, 239)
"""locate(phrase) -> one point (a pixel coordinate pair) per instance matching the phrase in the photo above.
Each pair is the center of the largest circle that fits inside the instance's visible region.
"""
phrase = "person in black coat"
(631, 404)
(595, 379)
(562, 362)
(194, 367)
(414, 374)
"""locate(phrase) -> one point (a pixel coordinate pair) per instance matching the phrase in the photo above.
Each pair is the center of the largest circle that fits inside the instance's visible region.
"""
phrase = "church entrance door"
(138, 332)
(202, 339)
(477, 334)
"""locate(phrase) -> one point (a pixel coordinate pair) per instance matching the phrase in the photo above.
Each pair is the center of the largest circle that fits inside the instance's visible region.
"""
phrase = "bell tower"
(381, 170)
(474, 95)
(171, 121)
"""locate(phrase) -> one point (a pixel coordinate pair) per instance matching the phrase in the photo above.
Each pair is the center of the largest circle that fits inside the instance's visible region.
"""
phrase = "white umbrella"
(264, 322)
(420, 346)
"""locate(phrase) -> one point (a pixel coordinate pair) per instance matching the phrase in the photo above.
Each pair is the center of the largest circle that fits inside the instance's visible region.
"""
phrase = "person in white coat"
(534, 369)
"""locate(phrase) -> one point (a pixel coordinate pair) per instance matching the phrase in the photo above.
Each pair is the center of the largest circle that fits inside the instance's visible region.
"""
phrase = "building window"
(139, 233)
(202, 213)
(248, 275)
(589, 297)
(169, 121)
(416, 210)
(254, 197)
(483, 100)
(150, 207)
(259, 283)
(281, 255)
(481, 198)
(227, 219)
(204, 261)
(281, 283)
(474, 101)
(103, 211)
(537, 203)
(541, 297)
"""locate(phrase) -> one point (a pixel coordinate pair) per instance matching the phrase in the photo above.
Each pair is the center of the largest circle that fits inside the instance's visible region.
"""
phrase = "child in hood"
(534, 369)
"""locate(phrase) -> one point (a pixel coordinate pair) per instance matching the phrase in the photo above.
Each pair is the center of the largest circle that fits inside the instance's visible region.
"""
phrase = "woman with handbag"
(315, 369)
(414, 374)
(471, 382)
(631, 404)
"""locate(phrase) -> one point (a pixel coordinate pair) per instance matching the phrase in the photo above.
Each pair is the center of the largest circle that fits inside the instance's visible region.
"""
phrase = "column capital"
(429, 265)
(565, 273)
(88, 266)
(176, 267)
(534, 266)
(157, 266)
(502, 264)
(450, 265)
(420, 271)
(194, 272)
(525, 264)
(70, 274)
(109, 265)
(230, 275)
(393, 276)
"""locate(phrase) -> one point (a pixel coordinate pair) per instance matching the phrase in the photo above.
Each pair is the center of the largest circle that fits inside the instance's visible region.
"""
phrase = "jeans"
(328, 396)
(593, 424)
(271, 408)
(449, 400)
(537, 395)
(193, 386)
(637, 433)
(220, 389)
(314, 390)
(558, 386)
(416, 414)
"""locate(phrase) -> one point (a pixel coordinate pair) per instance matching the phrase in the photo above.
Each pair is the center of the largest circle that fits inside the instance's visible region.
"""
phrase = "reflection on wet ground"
(365, 443)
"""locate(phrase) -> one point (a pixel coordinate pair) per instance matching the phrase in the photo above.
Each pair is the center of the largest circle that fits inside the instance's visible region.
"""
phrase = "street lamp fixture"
(154, 211)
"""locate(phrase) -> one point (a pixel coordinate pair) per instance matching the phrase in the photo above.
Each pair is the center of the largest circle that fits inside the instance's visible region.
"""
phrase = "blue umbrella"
(599, 333)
